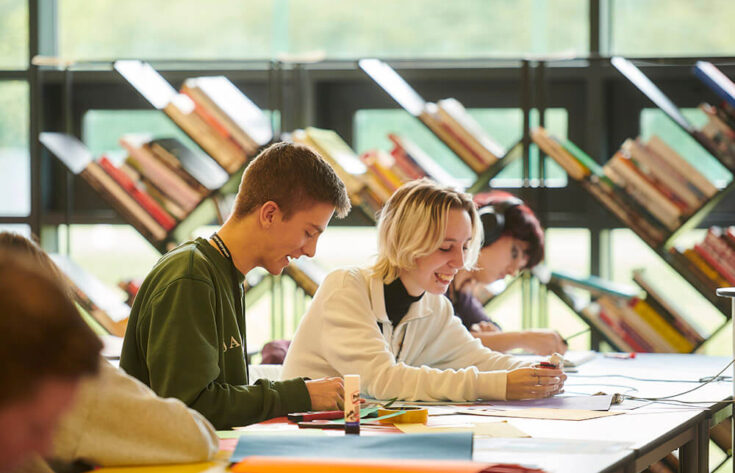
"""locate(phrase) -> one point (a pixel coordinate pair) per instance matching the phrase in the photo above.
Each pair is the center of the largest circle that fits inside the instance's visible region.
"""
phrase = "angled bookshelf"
(449, 121)
(164, 188)
(655, 192)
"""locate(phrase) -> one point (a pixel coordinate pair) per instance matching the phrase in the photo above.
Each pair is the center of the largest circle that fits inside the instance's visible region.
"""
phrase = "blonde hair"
(413, 224)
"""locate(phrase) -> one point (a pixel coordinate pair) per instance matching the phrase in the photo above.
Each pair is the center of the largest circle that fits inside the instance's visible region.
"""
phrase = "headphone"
(492, 217)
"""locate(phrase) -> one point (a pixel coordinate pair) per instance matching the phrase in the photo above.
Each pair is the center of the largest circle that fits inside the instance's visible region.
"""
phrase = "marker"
(352, 404)
(546, 364)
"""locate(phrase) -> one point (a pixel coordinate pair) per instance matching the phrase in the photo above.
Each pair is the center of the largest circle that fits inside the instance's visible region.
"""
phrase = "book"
(660, 170)
(447, 119)
(333, 148)
(714, 262)
(101, 302)
(594, 285)
(78, 159)
(145, 200)
(245, 120)
(200, 167)
(183, 111)
(619, 170)
(667, 304)
(167, 180)
(455, 115)
(705, 268)
(556, 151)
(430, 117)
(650, 90)
(713, 78)
(423, 161)
(661, 326)
(658, 146)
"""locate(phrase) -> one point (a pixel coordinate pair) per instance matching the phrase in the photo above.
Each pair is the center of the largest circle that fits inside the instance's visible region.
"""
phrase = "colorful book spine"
(146, 201)
(677, 340)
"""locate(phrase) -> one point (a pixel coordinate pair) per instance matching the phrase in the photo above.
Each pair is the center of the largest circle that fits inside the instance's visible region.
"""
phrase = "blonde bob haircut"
(413, 224)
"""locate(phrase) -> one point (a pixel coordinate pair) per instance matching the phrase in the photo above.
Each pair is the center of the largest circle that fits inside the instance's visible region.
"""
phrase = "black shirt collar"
(397, 300)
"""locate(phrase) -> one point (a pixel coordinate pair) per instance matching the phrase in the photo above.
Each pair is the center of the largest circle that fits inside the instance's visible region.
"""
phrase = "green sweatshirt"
(186, 339)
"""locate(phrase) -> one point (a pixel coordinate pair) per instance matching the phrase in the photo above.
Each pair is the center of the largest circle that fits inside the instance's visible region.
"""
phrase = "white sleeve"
(117, 420)
(353, 344)
(456, 348)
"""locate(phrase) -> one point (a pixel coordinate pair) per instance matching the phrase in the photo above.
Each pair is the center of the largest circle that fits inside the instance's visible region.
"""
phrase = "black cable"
(661, 398)
(634, 378)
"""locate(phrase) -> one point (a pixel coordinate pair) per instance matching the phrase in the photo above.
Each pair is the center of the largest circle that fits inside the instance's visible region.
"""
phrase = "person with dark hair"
(513, 241)
(186, 335)
(115, 419)
(46, 350)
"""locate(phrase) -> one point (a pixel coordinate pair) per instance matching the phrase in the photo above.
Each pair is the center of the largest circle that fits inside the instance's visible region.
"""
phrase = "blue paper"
(439, 446)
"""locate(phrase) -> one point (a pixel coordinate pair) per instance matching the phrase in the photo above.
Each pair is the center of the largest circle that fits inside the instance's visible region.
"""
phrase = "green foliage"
(13, 34)
(673, 28)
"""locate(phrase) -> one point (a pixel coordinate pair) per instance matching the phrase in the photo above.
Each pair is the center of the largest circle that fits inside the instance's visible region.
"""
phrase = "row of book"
(447, 118)
(647, 185)
(158, 184)
(713, 137)
(211, 110)
(711, 262)
(162, 181)
(629, 319)
(371, 178)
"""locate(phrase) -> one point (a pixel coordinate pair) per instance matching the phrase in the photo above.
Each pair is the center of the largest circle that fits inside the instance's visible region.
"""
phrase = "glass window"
(655, 122)
(503, 125)
(672, 28)
(15, 180)
(13, 34)
(437, 28)
(322, 28)
(568, 250)
(101, 129)
(20, 229)
(110, 252)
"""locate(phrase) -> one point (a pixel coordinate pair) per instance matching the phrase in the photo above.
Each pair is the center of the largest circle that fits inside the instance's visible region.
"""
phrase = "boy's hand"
(326, 394)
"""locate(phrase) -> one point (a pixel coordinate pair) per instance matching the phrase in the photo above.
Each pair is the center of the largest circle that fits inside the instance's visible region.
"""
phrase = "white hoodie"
(428, 356)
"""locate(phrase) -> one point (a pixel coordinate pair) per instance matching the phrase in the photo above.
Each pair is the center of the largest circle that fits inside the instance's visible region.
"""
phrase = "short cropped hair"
(413, 222)
(42, 336)
(520, 223)
(293, 176)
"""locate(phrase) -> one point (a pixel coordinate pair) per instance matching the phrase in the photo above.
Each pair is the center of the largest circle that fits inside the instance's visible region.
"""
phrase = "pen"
(320, 415)
(620, 356)
(546, 364)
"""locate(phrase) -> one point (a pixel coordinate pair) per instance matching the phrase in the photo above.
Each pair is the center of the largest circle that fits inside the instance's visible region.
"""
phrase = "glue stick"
(352, 404)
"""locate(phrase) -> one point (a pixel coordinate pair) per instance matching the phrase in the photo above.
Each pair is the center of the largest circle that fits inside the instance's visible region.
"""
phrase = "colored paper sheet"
(587, 403)
(487, 429)
(256, 464)
(546, 413)
(442, 446)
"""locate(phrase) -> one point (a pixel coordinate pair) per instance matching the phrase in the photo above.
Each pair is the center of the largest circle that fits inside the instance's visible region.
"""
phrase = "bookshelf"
(449, 121)
(643, 200)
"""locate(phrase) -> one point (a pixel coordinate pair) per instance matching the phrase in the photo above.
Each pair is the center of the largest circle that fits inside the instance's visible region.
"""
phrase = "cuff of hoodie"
(294, 395)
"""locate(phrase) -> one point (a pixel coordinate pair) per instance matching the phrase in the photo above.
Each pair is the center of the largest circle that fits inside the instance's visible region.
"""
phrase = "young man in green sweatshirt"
(186, 334)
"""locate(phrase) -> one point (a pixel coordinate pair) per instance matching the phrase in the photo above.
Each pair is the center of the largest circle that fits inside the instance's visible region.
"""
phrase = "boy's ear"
(268, 213)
